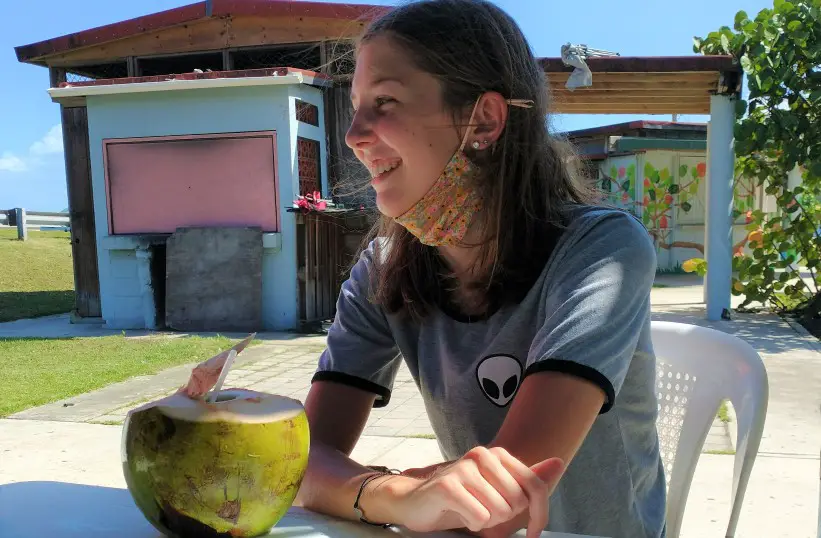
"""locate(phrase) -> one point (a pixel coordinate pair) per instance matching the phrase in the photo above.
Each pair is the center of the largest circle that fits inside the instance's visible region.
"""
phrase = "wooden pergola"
(644, 85)
(672, 85)
(234, 35)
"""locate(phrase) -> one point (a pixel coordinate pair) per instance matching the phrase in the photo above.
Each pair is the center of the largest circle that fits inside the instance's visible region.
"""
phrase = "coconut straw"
(205, 374)
(225, 368)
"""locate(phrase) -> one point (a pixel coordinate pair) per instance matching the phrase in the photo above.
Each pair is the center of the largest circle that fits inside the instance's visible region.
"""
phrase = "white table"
(64, 510)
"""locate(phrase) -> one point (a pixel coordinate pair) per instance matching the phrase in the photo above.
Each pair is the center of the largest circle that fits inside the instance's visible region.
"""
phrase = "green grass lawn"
(36, 276)
(39, 371)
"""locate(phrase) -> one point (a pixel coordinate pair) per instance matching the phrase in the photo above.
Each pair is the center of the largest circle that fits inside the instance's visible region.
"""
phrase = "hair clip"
(522, 103)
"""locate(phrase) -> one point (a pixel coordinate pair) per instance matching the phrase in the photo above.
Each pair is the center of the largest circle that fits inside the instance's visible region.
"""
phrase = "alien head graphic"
(499, 377)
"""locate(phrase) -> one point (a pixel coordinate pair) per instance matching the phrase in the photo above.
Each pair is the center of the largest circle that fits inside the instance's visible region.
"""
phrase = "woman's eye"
(382, 101)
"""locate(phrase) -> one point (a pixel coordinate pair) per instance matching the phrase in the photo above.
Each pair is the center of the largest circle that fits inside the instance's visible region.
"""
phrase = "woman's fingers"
(534, 488)
(537, 482)
(473, 513)
(487, 489)
(549, 471)
(500, 478)
(497, 507)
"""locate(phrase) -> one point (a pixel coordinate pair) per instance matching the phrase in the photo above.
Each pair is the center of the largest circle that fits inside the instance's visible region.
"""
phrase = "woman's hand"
(426, 472)
(486, 491)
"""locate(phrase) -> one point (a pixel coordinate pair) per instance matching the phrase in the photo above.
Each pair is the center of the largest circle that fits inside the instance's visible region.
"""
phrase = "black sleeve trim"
(383, 394)
(578, 370)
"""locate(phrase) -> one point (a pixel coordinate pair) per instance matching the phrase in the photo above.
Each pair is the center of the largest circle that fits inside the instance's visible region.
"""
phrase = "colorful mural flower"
(620, 185)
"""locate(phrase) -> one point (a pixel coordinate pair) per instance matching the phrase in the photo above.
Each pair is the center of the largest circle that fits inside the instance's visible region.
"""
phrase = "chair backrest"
(697, 368)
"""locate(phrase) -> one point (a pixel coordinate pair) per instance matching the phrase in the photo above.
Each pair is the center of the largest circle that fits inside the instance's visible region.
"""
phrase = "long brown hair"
(472, 47)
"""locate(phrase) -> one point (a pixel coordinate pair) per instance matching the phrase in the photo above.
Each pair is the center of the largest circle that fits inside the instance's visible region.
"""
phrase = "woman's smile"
(381, 169)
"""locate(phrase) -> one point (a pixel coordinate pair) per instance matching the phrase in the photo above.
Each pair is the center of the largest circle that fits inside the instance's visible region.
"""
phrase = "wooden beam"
(661, 64)
(627, 95)
(645, 78)
(81, 211)
(629, 99)
(698, 86)
(646, 112)
(605, 105)
(214, 35)
(559, 108)
(71, 102)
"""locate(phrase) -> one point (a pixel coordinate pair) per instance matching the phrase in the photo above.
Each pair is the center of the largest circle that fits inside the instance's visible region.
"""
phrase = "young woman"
(521, 308)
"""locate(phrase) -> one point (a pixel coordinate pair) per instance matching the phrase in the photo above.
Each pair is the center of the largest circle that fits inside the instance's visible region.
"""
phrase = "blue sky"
(32, 172)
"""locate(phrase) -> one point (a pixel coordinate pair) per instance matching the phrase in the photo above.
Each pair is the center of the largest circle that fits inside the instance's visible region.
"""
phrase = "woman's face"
(400, 129)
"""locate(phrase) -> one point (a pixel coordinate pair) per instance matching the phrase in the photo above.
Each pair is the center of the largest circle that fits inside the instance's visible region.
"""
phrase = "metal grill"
(299, 57)
(341, 59)
(308, 164)
(76, 77)
(83, 73)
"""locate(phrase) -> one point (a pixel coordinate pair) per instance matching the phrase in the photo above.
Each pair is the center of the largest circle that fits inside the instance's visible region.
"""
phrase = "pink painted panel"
(156, 184)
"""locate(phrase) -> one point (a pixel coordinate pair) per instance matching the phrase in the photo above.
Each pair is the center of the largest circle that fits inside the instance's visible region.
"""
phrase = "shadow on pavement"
(767, 333)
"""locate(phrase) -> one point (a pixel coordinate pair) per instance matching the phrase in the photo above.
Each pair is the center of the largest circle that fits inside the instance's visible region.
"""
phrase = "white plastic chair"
(697, 368)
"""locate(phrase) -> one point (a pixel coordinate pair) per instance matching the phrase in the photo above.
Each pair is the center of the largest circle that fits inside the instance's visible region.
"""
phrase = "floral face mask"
(442, 216)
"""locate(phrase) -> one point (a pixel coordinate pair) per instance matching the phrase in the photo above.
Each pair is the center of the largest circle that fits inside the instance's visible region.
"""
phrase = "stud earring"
(476, 144)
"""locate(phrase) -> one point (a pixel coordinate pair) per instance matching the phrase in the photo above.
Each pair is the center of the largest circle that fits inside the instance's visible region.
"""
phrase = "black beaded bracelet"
(358, 509)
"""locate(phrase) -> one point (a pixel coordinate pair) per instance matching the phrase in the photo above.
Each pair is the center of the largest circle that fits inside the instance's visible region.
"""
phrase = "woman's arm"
(482, 489)
(337, 415)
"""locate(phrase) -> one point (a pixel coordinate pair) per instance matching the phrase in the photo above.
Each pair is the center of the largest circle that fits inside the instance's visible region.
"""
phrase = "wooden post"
(81, 207)
(132, 67)
(343, 167)
(57, 75)
(22, 231)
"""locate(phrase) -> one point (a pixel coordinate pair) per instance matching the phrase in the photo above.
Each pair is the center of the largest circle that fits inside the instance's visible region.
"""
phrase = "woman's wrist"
(381, 500)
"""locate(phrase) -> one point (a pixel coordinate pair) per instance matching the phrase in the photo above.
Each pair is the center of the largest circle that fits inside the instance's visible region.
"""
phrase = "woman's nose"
(359, 134)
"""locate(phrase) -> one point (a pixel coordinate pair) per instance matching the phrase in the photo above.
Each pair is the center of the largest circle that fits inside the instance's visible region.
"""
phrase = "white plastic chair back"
(697, 368)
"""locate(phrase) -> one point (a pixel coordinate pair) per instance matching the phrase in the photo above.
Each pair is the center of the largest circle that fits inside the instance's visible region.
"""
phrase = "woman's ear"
(489, 120)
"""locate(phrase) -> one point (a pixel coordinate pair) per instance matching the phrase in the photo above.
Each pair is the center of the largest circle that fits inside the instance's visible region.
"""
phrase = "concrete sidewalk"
(781, 500)
(283, 364)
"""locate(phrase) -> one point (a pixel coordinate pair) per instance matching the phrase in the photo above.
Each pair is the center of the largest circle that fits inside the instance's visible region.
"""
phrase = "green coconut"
(230, 468)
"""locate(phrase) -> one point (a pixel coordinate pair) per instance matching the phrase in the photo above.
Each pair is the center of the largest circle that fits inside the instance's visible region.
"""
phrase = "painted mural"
(667, 190)
(669, 198)
(619, 185)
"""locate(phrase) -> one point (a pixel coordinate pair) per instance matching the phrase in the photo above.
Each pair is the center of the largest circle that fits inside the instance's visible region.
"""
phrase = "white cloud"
(9, 162)
(51, 143)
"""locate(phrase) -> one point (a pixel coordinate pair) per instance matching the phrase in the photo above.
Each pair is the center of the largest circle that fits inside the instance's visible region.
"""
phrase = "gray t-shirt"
(588, 315)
